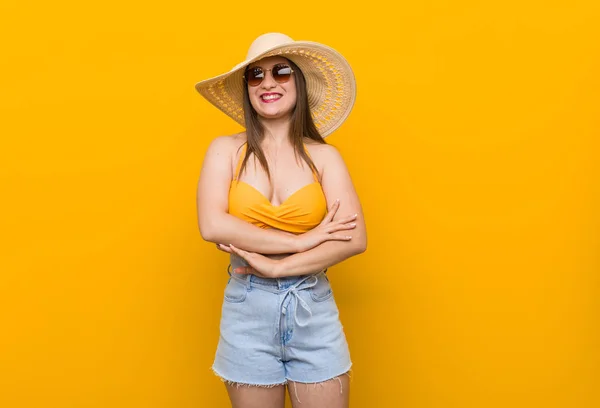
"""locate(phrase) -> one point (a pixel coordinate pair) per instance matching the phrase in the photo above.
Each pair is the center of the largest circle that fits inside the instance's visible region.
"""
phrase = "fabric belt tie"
(292, 295)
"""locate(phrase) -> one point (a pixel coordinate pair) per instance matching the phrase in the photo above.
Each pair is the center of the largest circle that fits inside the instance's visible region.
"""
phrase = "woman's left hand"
(259, 264)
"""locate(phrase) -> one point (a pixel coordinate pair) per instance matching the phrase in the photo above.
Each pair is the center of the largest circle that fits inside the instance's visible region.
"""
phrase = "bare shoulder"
(229, 141)
(226, 145)
(324, 154)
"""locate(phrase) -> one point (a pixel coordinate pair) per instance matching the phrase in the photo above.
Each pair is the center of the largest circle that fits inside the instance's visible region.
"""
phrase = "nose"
(268, 82)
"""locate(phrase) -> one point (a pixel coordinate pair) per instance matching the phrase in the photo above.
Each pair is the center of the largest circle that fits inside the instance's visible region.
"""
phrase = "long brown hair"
(302, 125)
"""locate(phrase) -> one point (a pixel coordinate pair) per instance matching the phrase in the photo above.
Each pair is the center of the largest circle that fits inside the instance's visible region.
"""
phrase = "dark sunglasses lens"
(281, 73)
(254, 76)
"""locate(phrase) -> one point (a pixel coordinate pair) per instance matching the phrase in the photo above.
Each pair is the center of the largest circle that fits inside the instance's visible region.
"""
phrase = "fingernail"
(348, 237)
(353, 224)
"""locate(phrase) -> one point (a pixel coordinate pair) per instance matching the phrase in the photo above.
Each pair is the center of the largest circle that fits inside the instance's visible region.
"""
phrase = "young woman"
(280, 200)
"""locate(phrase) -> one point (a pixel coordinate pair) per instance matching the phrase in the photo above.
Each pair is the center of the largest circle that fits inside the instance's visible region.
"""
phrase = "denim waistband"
(271, 284)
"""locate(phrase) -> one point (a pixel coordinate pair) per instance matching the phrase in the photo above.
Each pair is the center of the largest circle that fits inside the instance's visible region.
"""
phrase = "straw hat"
(330, 81)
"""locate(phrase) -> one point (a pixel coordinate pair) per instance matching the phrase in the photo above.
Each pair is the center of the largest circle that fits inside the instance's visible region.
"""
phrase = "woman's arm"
(215, 223)
(218, 226)
(336, 182)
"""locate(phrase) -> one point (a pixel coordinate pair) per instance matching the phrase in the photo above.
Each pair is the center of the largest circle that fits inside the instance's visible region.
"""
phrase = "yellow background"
(473, 145)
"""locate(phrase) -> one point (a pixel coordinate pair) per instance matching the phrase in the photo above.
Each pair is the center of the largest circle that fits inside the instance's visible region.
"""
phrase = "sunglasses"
(281, 74)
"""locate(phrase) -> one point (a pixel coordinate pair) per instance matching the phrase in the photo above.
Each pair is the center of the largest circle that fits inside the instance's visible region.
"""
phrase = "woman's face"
(271, 99)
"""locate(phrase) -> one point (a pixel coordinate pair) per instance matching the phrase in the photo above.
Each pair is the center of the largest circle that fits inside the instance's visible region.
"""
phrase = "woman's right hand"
(327, 230)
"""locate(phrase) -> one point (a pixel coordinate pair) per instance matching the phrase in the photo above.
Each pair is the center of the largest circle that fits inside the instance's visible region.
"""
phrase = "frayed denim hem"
(240, 384)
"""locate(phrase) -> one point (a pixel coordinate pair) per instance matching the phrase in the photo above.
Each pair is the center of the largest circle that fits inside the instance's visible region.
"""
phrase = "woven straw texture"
(330, 84)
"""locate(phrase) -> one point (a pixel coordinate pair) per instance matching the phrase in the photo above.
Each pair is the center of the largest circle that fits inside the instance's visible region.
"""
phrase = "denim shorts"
(277, 329)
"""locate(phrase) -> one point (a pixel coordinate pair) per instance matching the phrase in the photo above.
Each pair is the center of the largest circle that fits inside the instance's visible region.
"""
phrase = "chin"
(274, 114)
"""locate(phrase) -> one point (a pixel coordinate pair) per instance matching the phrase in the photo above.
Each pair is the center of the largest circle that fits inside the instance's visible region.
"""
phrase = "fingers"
(343, 224)
(340, 227)
(348, 219)
(338, 237)
(224, 248)
(247, 256)
(238, 251)
(235, 251)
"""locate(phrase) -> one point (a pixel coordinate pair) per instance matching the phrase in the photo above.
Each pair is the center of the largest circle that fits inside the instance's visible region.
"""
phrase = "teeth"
(270, 97)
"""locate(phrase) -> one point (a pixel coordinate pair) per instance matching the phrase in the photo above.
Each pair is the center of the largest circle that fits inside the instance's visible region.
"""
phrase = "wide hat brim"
(330, 83)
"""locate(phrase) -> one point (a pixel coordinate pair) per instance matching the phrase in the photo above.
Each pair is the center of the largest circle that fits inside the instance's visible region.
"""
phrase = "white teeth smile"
(270, 97)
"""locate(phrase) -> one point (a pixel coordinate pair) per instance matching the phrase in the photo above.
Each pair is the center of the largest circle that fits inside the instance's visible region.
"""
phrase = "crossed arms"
(320, 248)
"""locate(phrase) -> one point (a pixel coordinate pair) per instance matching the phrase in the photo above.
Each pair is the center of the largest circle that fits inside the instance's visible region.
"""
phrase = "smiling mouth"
(270, 97)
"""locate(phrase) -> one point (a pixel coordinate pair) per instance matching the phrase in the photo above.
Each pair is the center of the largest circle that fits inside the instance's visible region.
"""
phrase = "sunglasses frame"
(265, 72)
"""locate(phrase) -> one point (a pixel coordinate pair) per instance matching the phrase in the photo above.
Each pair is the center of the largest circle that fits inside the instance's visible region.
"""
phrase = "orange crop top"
(300, 212)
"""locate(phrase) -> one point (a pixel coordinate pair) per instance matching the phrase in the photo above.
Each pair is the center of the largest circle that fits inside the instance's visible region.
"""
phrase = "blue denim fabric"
(277, 329)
